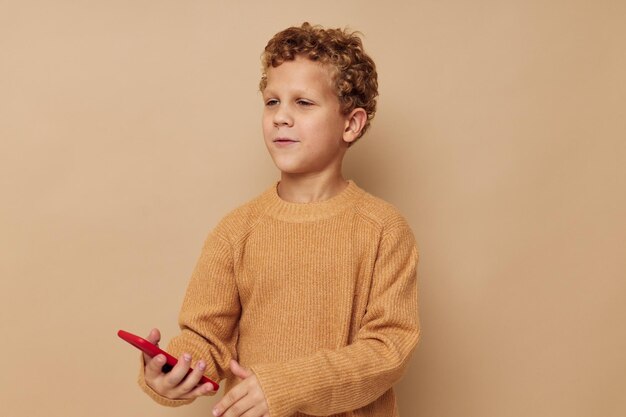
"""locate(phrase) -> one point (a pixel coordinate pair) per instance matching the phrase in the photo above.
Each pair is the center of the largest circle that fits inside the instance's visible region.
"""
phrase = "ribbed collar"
(303, 212)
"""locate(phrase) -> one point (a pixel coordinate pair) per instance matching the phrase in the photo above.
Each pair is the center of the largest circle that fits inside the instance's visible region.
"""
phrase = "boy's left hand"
(246, 398)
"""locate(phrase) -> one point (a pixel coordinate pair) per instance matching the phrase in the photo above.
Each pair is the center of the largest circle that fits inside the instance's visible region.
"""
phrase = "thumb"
(238, 370)
(154, 336)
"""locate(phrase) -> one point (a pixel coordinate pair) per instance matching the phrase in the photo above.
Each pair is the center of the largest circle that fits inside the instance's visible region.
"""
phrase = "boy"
(305, 298)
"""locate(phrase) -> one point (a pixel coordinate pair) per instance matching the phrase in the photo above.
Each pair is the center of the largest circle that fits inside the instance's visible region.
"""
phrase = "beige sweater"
(318, 299)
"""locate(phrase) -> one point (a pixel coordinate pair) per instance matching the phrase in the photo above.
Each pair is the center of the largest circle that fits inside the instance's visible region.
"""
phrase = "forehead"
(301, 74)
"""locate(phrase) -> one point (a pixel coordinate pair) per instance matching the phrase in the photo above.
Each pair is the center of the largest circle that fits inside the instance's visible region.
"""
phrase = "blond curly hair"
(354, 72)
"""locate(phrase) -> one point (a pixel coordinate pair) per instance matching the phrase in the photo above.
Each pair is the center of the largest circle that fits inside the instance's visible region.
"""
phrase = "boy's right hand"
(175, 384)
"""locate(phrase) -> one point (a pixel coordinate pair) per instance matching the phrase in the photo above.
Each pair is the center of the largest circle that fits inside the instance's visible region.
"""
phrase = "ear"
(355, 122)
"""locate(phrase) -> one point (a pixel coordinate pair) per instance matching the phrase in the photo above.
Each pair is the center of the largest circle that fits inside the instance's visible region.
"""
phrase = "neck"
(310, 188)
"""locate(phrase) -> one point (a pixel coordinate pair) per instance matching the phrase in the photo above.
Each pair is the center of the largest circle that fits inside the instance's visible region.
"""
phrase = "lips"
(285, 140)
(285, 143)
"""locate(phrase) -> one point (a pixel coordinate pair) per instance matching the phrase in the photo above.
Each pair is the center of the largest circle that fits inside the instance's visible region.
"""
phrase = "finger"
(192, 380)
(154, 367)
(244, 406)
(179, 371)
(233, 396)
(153, 337)
(256, 411)
(238, 370)
(257, 398)
(200, 390)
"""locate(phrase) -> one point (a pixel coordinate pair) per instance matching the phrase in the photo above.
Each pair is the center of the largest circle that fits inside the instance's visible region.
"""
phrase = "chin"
(290, 170)
(288, 167)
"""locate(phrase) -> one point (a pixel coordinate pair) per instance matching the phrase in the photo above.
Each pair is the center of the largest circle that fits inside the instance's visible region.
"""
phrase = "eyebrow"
(298, 92)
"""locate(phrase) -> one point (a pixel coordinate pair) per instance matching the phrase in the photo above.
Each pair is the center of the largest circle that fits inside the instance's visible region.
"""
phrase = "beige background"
(129, 128)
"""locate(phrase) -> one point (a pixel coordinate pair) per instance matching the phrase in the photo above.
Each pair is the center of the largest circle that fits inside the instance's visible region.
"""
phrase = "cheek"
(266, 125)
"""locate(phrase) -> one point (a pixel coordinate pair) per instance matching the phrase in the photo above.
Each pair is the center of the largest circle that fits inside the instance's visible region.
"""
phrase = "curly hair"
(354, 72)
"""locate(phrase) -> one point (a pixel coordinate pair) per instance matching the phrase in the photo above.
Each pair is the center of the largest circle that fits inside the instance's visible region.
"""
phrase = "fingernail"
(216, 412)
(201, 364)
(187, 357)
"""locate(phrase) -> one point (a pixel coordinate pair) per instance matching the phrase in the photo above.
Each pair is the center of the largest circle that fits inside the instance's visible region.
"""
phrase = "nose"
(282, 116)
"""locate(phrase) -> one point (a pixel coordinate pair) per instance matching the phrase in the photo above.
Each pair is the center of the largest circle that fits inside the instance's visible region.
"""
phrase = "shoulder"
(237, 224)
(380, 213)
(392, 227)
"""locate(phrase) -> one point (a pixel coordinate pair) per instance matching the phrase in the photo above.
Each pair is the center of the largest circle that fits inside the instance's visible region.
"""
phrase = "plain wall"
(129, 128)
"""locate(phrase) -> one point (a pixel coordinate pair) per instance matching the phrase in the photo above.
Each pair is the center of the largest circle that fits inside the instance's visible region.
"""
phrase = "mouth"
(284, 140)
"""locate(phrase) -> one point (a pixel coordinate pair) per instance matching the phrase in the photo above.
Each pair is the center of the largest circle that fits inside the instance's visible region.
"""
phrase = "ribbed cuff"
(278, 389)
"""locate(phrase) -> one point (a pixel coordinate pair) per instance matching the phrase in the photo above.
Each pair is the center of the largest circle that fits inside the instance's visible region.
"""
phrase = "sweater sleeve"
(209, 316)
(348, 378)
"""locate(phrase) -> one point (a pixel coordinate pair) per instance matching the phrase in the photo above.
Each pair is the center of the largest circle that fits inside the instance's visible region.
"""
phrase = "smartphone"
(152, 350)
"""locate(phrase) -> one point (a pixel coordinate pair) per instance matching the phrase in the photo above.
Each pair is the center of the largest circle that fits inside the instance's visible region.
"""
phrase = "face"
(303, 127)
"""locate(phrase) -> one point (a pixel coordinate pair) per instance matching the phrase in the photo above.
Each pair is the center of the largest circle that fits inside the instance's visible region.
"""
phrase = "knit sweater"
(318, 299)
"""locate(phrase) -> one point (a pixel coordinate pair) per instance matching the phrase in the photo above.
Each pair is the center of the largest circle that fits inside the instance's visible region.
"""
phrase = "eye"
(271, 102)
(303, 102)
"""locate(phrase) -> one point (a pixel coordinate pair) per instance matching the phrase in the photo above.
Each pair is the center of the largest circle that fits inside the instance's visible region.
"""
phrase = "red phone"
(152, 350)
